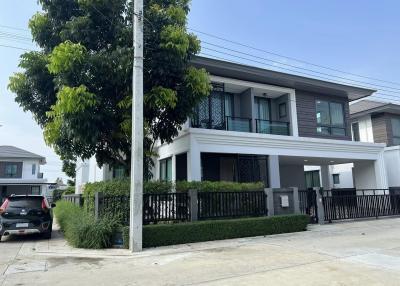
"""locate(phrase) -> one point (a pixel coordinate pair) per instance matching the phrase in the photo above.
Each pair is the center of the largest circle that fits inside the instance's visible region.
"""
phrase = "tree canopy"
(79, 85)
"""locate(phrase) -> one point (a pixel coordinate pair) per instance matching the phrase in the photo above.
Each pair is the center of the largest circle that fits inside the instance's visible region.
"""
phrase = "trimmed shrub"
(122, 187)
(81, 229)
(170, 234)
(208, 186)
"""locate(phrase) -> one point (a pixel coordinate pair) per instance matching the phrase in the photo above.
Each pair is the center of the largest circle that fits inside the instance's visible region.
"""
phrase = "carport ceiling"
(312, 161)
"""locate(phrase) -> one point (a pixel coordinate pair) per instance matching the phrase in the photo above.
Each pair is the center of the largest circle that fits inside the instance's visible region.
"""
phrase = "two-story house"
(379, 122)
(263, 125)
(20, 172)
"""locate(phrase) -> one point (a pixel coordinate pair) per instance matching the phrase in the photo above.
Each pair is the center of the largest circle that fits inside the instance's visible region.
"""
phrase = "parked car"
(26, 214)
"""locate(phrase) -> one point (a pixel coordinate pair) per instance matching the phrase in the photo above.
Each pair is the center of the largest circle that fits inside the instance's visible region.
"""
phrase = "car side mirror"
(53, 205)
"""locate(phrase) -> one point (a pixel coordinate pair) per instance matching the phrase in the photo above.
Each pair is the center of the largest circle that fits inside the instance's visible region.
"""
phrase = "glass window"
(336, 111)
(282, 110)
(356, 131)
(262, 108)
(336, 179)
(33, 169)
(166, 169)
(312, 179)
(229, 111)
(118, 172)
(11, 170)
(396, 130)
(330, 118)
(323, 113)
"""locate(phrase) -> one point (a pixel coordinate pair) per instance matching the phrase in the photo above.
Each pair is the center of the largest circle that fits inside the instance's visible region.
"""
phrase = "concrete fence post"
(320, 206)
(270, 201)
(193, 205)
(296, 200)
(97, 204)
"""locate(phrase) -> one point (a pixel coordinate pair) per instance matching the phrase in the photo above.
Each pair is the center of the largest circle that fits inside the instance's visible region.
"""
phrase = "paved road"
(352, 253)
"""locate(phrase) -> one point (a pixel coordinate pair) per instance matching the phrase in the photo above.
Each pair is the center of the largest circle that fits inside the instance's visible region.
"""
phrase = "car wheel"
(0, 238)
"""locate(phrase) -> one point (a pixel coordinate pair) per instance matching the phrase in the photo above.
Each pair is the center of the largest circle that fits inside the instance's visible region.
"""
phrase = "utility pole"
(136, 198)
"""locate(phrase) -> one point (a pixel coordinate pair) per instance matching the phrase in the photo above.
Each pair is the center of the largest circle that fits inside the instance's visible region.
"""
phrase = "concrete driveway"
(351, 253)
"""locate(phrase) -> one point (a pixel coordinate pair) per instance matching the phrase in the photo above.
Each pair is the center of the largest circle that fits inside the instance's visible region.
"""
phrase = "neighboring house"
(20, 172)
(379, 122)
(263, 125)
(87, 171)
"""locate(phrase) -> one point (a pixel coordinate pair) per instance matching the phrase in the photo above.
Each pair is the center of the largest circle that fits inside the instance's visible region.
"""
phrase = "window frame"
(164, 177)
(284, 108)
(331, 127)
(336, 179)
(395, 138)
(11, 174)
(355, 138)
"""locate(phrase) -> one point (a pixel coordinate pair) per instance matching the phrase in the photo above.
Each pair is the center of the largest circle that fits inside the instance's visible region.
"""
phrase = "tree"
(78, 86)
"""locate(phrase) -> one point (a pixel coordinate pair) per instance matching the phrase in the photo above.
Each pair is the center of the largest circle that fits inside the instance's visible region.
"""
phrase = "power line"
(18, 48)
(14, 28)
(290, 58)
(229, 60)
(285, 64)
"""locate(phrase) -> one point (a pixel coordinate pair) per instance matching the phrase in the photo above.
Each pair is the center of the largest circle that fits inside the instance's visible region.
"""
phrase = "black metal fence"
(213, 205)
(308, 204)
(171, 207)
(360, 204)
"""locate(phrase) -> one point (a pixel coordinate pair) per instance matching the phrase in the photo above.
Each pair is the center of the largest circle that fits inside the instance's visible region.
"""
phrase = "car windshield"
(25, 202)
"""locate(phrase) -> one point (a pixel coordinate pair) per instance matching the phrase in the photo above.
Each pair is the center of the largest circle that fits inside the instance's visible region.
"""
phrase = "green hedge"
(81, 229)
(122, 187)
(207, 186)
(170, 234)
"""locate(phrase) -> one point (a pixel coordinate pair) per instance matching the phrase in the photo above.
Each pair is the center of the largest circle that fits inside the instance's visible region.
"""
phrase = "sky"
(359, 37)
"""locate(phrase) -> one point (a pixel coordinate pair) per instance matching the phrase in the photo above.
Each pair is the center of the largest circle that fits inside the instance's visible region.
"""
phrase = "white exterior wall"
(88, 171)
(345, 172)
(196, 140)
(392, 163)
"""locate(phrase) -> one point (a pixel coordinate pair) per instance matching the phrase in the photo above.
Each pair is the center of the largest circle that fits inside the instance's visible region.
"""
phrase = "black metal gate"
(360, 204)
(308, 204)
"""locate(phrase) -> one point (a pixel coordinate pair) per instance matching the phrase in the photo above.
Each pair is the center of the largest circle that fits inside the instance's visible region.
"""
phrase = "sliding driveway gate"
(352, 204)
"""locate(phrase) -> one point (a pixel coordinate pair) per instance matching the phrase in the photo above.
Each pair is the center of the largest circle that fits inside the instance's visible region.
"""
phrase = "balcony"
(243, 124)
(240, 124)
(272, 127)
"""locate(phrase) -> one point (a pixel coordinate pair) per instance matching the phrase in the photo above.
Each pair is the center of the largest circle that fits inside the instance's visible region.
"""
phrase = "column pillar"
(294, 129)
(380, 172)
(273, 171)
(320, 206)
(325, 177)
(173, 171)
(270, 201)
(194, 163)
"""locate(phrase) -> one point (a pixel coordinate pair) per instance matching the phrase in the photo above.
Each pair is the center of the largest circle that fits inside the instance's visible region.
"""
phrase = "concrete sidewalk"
(351, 253)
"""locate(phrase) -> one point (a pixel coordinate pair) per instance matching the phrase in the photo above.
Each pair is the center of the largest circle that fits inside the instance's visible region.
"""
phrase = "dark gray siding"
(306, 114)
(382, 128)
(3, 167)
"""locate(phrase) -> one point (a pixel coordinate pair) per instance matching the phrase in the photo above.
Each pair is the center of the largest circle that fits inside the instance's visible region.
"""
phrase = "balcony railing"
(243, 124)
(240, 124)
(272, 127)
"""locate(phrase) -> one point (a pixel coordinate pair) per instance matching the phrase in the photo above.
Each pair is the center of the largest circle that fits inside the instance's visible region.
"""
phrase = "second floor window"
(330, 118)
(356, 131)
(396, 130)
(11, 170)
(33, 169)
(262, 107)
